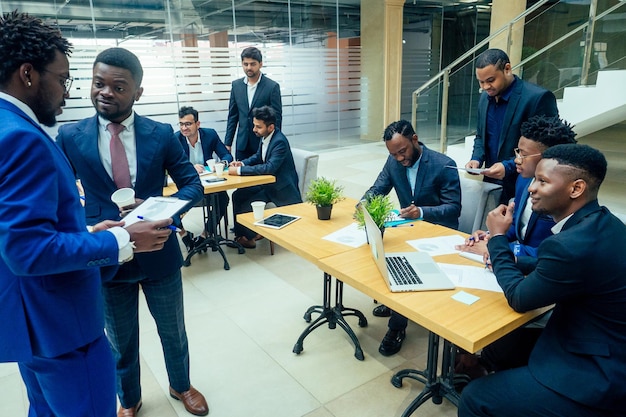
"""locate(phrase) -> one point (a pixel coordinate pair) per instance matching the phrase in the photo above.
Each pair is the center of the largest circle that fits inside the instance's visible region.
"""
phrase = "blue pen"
(169, 226)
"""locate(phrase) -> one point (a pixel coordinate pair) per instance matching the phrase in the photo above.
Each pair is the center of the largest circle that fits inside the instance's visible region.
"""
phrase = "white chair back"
(477, 199)
(306, 167)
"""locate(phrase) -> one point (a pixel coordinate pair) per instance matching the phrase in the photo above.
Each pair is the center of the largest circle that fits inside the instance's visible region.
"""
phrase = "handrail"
(460, 59)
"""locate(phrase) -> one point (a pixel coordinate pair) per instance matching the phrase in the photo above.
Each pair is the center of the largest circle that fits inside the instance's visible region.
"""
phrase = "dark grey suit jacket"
(581, 353)
(239, 113)
(437, 188)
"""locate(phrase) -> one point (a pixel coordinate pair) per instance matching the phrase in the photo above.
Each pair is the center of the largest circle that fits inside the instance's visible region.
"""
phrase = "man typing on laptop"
(426, 190)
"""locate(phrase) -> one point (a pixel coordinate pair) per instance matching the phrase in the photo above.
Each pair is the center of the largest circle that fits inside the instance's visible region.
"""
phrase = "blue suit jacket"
(437, 189)
(50, 301)
(539, 225)
(211, 143)
(267, 94)
(158, 150)
(278, 162)
(581, 271)
(526, 100)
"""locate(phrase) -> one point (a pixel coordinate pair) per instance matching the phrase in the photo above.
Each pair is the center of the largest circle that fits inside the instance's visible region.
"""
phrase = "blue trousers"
(164, 297)
(80, 383)
(516, 393)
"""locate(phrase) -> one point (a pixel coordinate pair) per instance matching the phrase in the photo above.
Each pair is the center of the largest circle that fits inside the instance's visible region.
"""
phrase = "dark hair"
(122, 58)
(495, 57)
(587, 163)
(266, 114)
(402, 127)
(252, 52)
(184, 111)
(27, 39)
(548, 131)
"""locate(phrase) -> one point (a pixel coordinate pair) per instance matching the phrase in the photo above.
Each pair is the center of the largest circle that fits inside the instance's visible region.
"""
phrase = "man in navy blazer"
(506, 102)
(50, 300)
(252, 91)
(199, 145)
(426, 188)
(578, 365)
(273, 157)
(151, 149)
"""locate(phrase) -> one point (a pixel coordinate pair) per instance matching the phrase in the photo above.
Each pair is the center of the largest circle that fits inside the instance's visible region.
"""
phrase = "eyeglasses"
(66, 82)
(522, 157)
(186, 124)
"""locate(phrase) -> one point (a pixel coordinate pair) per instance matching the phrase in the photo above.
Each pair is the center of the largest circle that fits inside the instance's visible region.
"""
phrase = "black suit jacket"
(278, 162)
(267, 94)
(581, 353)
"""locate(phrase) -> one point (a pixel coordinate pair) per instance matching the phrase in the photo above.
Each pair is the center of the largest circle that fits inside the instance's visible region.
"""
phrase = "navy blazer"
(581, 271)
(50, 299)
(539, 225)
(437, 188)
(210, 142)
(158, 150)
(278, 162)
(267, 94)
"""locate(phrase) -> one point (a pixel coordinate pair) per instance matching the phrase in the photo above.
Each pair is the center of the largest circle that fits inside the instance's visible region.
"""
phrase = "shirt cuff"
(124, 244)
(238, 170)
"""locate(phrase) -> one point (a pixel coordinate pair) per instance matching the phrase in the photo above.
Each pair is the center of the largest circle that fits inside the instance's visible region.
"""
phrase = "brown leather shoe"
(194, 401)
(245, 242)
(129, 412)
(258, 237)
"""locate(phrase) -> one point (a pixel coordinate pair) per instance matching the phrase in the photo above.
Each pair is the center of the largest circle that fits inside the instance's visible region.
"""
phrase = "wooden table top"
(232, 182)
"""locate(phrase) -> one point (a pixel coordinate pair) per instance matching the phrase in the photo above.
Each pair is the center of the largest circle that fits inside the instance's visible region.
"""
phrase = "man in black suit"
(200, 144)
(273, 157)
(506, 103)
(252, 91)
(578, 365)
(426, 189)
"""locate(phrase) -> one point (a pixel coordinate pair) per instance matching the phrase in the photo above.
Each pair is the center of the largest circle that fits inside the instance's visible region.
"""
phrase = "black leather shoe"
(382, 311)
(392, 342)
(188, 241)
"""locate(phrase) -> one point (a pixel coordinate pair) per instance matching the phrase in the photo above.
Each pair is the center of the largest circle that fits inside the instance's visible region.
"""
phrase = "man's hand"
(473, 164)
(149, 236)
(107, 224)
(496, 171)
(410, 212)
(232, 170)
(235, 164)
(500, 219)
(228, 148)
(199, 168)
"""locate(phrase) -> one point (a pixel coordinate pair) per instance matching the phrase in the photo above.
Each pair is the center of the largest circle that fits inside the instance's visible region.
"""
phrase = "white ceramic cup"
(258, 207)
(211, 164)
(219, 169)
(123, 197)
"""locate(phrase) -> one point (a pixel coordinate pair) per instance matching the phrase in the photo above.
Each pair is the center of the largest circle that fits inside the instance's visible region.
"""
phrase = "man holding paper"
(146, 151)
(427, 189)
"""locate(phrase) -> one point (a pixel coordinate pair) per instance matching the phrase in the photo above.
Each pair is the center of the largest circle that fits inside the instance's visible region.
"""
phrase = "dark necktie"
(119, 162)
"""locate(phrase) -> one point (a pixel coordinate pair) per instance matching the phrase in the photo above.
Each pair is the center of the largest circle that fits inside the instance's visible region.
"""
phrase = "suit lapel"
(86, 141)
(511, 108)
(257, 94)
(146, 144)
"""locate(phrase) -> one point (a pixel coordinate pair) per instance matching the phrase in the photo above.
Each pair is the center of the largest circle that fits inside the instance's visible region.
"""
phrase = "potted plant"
(323, 193)
(379, 207)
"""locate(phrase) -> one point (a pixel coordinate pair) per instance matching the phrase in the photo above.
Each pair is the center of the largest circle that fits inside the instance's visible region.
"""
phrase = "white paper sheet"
(435, 246)
(471, 277)
(155, 208)
(350, 235)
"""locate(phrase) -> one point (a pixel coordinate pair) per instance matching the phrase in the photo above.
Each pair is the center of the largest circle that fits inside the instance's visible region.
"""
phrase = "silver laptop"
(404, 271)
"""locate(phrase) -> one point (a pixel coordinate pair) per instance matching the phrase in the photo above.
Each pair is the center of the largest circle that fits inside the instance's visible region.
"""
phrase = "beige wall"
(502, 12)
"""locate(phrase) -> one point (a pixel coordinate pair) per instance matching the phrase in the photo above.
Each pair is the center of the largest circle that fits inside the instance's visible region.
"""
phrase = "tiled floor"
(242, 325)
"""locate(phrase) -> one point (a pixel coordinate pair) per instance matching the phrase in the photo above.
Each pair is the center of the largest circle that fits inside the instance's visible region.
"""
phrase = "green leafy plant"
(379, 207)
(324, 192)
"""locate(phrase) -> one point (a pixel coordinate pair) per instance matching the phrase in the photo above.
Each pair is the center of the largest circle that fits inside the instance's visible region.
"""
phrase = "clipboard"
(155, 208)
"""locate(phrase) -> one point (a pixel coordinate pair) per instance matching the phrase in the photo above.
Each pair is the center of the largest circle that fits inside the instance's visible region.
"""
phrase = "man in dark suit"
(506, 102)
(273, 157)
(150, 149)
(578, 365)
(252, 91)
(426, 189)
(50, 300)
(200, 144)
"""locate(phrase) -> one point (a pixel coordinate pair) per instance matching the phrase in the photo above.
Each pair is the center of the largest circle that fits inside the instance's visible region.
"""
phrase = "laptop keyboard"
(401, 271)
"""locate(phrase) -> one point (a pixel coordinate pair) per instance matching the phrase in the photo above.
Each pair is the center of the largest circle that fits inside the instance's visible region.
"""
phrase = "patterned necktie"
(119, 163)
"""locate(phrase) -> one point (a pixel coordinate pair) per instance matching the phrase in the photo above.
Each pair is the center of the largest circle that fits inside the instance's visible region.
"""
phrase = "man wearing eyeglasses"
(506, 102)
(201, 144)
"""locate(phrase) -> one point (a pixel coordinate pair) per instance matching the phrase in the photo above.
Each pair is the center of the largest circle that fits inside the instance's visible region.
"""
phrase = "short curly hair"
(585, 162)
(27, 39)
(549, 131)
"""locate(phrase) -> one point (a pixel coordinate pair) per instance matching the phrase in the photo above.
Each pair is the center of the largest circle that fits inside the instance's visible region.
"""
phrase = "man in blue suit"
(578, 365)
(252, 91)
(506, 102)
(199, 145)
(273, 157)
(426, 188)
(150, 149)
(50, 301)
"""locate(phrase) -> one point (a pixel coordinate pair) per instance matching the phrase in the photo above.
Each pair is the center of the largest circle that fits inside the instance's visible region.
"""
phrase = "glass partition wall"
(190, 51)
